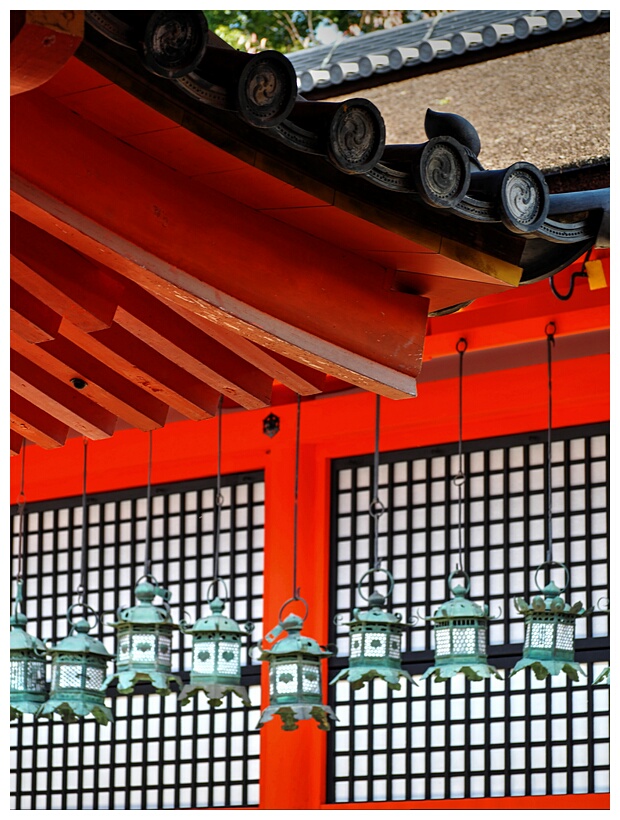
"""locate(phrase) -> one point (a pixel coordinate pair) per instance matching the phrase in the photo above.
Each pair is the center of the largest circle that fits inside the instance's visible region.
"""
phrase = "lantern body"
(549, 646)
(295, 686)
(78, 672)
(28, 688)
(144, 643)
(216, 658)
(460, 628)
(374, 647)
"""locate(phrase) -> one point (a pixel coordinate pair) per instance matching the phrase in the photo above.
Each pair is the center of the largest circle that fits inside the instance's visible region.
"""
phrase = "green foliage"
(286, 31)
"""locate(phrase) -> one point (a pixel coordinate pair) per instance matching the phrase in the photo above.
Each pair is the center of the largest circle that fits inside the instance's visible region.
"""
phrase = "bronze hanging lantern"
(27, 652)
(216, 639)
(28, 687)
(145, 641)
(375, 641)
(460, 625)
(375, 635)
(145, 631)
(216, 656)
(79, 661)
(78, 671)
(295, 686)
(460, 628)
(549, 646)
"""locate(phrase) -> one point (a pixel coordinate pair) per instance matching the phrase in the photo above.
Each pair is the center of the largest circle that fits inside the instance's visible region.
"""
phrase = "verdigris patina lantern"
(145, 641)
(460, 629)
(295, 689)
(28, 688)
(78, 672)
(375, 641)
(549, 646)
(216, 656)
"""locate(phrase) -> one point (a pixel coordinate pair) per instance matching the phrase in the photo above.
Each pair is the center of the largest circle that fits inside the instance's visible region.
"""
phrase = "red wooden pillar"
(293, 764)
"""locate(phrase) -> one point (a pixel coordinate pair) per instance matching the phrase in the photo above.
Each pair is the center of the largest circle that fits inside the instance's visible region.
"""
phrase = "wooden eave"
(165, 253)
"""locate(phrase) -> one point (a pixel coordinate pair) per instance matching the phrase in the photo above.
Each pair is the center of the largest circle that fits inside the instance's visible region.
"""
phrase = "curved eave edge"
(549, 249)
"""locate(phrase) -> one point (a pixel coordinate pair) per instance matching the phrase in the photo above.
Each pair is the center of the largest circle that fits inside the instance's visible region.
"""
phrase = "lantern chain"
(459, 478)
(147, 540)
(219, 499)
(376, 508)
(550, 332)
(83, 555)
(21, 506)
(295, 596)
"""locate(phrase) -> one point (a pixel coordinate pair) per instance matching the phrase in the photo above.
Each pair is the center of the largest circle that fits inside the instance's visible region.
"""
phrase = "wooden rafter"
(327, 307)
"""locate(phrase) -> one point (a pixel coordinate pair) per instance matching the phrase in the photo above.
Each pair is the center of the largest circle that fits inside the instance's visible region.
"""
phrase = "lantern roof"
(460, 607)
(215, 622)
(80, 642)
(552, 602)
(20, 639)
(376, 614)
(294, 641)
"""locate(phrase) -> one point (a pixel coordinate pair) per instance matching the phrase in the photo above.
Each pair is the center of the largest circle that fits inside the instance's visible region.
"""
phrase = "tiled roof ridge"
(453, 34)
(440, 178)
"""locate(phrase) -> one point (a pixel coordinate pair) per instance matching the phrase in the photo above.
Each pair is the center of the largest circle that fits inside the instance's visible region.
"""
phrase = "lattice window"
(156, 755)
(489, 738)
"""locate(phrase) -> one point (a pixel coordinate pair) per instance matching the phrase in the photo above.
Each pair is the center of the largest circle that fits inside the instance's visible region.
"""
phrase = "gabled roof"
(414, 48)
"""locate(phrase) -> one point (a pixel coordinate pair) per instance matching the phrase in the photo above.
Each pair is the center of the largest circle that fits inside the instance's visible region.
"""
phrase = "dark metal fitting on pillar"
(351, 133)
(521, 194)
(173, 43)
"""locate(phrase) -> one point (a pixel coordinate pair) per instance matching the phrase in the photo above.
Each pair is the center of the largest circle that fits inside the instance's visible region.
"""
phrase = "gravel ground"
(549, 106)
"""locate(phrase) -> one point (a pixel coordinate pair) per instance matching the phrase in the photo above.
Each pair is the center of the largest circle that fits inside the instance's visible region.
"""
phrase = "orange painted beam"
(212, 254)
(494, 404)
(30, 318)
(146, 369)
(61, 401)
(69, 284)
(520, 316)
(155, 324)
(105, 387)
(41, 43)
(36, 425)
(297, 377)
